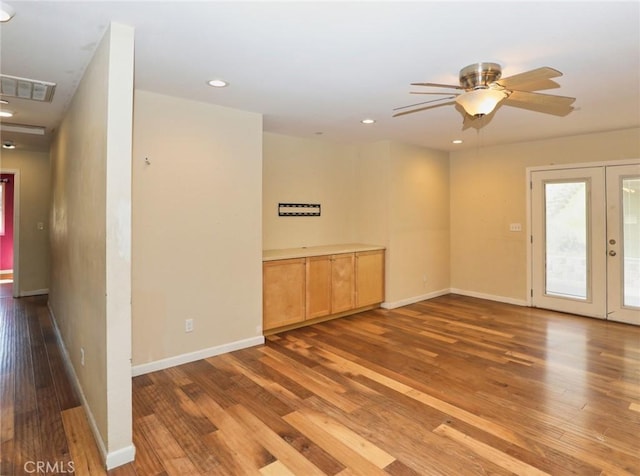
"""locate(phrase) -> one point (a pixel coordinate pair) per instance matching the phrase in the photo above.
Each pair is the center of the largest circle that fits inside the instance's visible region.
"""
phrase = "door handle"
(612, 253)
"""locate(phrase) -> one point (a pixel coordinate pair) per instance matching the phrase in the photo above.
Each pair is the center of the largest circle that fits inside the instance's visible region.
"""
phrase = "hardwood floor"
(450, 386)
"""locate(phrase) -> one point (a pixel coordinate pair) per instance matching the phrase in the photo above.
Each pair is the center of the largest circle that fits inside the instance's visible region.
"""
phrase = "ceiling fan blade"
(539, 99)
(538, 85)
(559, 111)
(423, 108)
(538, 74)
(437, 85)
(441, 94)
(421, 103)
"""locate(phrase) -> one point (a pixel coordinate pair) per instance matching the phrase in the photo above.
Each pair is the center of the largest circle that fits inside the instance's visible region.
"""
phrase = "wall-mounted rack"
(299, 209)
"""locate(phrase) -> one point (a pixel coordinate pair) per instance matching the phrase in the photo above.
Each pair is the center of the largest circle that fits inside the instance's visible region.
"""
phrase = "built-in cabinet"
(369, 267)
(329, 282)
(284, 292)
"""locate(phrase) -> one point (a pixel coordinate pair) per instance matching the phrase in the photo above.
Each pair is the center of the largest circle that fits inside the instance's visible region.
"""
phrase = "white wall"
(488, 192)
(90, 235)
(197, 238)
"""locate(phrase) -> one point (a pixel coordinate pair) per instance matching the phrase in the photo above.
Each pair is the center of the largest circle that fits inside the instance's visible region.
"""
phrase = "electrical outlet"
(82, 356)
(188, 325)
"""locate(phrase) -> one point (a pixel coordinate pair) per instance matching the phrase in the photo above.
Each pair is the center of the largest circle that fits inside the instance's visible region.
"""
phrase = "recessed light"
(8, 145)
(4, 101)
(6, 12)
(6, 114)
(368, 121)
(456, 141)
(218, 83)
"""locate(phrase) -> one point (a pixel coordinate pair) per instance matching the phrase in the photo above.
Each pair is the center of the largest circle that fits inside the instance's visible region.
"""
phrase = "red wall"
(6, 240)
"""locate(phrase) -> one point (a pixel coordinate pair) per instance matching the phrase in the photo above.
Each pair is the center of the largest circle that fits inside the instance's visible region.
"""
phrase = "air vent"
(24, 88)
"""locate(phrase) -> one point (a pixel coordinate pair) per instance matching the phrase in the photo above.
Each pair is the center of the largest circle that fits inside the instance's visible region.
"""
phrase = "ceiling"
(317, 68)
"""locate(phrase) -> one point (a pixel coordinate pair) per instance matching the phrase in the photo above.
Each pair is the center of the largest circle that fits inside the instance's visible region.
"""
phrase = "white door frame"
(529, 182)
(616, 308)
(16, 229)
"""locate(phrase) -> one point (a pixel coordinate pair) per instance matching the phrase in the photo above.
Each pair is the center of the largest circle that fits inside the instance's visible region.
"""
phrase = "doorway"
(7, 188)
(585, 241)
(13, 288)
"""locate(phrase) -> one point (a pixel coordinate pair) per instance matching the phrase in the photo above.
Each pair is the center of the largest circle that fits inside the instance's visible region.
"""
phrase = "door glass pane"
(631, 240)
(566, 239)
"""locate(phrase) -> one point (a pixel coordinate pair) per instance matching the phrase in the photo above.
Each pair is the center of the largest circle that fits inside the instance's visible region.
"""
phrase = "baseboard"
(35, 292)
(414, 299)
(490, 297)
(119, 457)
(115, 458)
(197, 355)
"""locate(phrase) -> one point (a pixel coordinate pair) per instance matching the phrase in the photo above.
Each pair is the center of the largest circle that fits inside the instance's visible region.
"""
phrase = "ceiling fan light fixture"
(480, 102)
(6, 12)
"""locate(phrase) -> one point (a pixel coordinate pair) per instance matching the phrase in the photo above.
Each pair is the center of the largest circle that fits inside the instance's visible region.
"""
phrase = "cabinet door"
(369, 277)
(318, 286)
(283, 300)
(342, 282)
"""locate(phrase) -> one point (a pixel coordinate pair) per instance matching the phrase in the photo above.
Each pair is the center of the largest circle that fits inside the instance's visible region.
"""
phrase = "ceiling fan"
(481, 89)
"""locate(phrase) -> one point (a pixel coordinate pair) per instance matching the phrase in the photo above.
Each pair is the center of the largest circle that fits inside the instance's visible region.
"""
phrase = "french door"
(586, 241)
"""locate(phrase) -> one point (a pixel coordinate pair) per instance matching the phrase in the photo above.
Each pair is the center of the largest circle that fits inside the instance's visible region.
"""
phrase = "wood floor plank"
(147, 462)
(355, 461)
(450, 386)
(65, 392)
(270, 411)
(276, 469)
(176, 412)
(174, 459)
(349, 438)
(490, 454)
(243, 446)
(84, 453)
(314, 381)
(278, 447)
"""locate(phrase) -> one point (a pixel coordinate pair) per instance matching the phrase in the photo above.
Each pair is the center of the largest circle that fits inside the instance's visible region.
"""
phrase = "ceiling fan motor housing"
(479, 75)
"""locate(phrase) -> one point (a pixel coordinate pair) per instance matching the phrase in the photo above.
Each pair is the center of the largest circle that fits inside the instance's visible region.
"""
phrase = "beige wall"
(90, 234)
(382, 193)
(197, 238)
(302, 170)
(403, 203)
(419, 223)
(488, 192)
(34, 172)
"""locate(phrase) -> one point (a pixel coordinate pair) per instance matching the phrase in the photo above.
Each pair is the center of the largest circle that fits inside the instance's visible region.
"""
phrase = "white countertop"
(290, 253)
